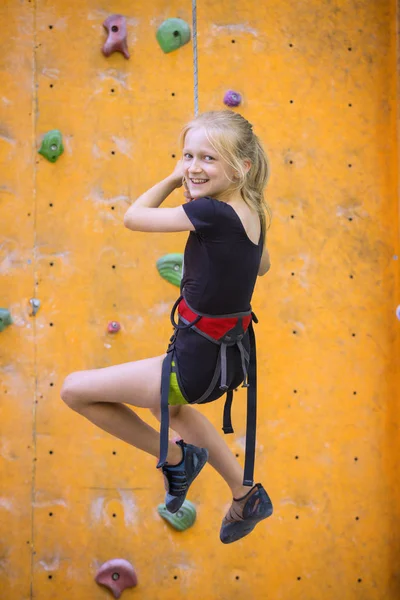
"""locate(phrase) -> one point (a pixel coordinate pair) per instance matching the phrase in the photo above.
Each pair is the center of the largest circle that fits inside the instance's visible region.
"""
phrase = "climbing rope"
(195, 67)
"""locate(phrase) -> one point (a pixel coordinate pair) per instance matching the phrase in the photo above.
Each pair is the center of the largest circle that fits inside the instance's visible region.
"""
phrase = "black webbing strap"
(165, 379)
(165, 384)
(251, 412)
(227, 422)
(251, 422)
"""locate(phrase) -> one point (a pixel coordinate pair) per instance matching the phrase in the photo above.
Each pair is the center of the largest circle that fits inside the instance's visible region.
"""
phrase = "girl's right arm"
(144, 214)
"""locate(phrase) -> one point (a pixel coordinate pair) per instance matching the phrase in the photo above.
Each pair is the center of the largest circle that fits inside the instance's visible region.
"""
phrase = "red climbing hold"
(117, 575)
(113, 327)
(116, 41)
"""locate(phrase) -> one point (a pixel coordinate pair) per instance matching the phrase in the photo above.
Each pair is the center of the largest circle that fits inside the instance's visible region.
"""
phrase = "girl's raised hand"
(177, 174)
(178, 178)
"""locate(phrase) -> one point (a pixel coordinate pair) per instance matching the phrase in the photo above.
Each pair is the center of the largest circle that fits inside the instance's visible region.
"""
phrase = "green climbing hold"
(170, 268)
(182, 519)
(172, 34)
(5, 318)
(52, 146)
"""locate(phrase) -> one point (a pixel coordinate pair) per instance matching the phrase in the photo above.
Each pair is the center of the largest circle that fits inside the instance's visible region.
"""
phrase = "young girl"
(224, 170)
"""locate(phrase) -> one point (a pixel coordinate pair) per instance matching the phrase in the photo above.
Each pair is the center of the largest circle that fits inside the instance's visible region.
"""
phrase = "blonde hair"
(232, 137)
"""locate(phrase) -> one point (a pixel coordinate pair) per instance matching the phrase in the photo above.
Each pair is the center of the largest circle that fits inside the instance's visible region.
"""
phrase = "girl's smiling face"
(206, 173)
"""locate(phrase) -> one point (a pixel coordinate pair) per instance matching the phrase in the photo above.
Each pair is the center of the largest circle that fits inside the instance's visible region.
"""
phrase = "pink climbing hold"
(116, 41)
(113, 327)
(117, 575)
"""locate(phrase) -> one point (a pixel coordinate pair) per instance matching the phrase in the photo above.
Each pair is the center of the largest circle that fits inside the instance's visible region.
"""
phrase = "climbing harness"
(223, 330)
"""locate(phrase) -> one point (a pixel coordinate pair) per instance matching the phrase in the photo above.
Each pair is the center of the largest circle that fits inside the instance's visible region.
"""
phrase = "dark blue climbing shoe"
(179, 477)
(244, 514)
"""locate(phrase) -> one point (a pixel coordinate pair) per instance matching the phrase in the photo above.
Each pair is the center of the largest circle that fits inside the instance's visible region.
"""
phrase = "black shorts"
(196, 359)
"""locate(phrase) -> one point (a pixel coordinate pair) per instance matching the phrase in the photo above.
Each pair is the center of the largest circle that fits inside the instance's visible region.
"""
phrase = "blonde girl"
(224, 170)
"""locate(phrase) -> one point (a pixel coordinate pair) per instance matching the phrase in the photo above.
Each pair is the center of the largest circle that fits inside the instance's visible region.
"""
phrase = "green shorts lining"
(175, 397)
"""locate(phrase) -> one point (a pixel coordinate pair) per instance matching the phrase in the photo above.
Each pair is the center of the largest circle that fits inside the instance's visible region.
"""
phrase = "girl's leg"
(196, 429)
(100, 396)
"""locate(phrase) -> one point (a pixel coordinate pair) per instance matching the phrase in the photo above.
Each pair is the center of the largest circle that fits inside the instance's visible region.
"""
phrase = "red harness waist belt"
(216, 327)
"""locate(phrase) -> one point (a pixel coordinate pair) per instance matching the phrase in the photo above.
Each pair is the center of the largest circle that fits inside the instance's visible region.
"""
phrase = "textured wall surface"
(319, 83)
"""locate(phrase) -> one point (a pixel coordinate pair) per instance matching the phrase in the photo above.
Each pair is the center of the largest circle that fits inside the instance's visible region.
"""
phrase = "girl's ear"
(247, 167)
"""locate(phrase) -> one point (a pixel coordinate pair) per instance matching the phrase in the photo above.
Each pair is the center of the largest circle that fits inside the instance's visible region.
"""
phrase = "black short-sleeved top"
(221, 263)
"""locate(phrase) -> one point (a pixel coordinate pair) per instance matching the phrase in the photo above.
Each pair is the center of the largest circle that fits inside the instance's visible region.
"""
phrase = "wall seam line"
(34, 199)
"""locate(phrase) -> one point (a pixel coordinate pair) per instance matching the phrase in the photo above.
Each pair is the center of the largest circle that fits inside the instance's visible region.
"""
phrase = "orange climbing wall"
(320, 85)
